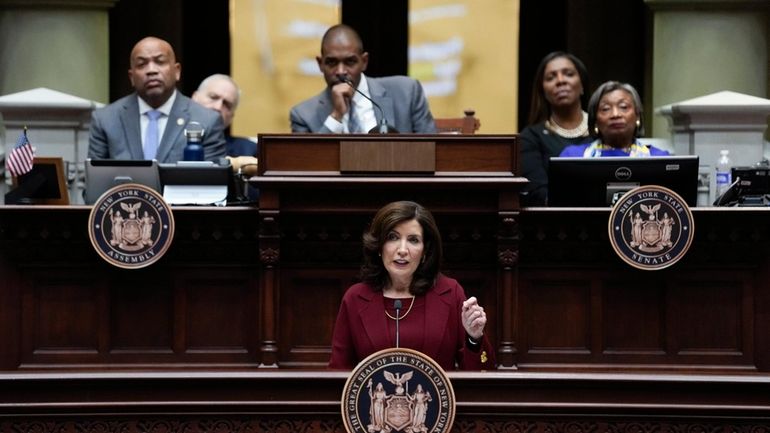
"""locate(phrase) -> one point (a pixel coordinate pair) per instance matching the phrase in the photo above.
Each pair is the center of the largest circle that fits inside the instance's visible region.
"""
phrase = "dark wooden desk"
(599, 346)
(318, 154)
(573, 304)
(582, 308)
(184, 345)
(297, 401)
(61, 306)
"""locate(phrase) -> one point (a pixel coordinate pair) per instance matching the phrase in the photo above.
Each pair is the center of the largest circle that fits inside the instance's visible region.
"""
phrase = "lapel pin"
(180, 121)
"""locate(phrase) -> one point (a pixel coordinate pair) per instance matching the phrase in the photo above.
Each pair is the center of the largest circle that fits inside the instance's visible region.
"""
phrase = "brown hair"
(373, 270)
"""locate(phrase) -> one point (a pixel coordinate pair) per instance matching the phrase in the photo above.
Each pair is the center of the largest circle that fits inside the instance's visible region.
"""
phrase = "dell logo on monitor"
(623, 173)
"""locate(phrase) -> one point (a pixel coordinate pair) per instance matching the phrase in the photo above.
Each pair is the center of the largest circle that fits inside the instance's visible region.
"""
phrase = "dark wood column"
(508, 261)
(269, 259)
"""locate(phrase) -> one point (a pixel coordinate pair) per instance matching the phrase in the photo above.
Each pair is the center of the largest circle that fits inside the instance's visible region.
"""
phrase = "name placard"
(387, 157)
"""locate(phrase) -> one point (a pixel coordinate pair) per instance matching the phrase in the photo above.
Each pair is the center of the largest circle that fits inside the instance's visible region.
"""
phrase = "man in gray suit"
(150, 123)
(339, 109)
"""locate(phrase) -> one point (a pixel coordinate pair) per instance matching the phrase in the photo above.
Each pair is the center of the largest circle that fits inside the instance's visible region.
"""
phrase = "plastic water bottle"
(193, 151)
(724, 177)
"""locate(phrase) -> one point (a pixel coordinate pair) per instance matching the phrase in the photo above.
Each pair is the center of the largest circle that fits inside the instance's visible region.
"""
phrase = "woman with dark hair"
(556, 120)
(402, 258)
(615, 122)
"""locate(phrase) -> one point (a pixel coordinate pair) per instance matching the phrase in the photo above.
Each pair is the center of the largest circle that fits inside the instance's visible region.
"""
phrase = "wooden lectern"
(318, 193)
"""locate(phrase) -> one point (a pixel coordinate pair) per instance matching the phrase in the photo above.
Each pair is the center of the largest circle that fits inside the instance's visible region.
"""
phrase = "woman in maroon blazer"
(402, 254)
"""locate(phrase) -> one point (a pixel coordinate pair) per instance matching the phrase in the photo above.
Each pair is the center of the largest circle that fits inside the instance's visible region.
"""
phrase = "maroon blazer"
(362, 328)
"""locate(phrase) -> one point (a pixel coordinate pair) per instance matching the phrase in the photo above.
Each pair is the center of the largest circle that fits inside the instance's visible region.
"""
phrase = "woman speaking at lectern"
(402, 256)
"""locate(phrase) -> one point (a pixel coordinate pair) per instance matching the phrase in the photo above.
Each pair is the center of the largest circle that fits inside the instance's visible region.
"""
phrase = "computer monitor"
(750, 187)
(196, 182)
(103, 174)
(600, 182)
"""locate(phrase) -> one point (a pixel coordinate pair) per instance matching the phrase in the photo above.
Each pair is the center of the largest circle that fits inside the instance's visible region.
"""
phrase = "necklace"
(407, 311)
(580, 131)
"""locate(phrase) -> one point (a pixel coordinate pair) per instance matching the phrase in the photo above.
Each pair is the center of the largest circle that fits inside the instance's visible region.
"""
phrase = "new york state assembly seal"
(398, 390)
(131, 226)
(651, 227)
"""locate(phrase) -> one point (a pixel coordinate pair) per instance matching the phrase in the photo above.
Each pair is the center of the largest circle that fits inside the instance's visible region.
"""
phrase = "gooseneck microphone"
(397, 306)
(383, 127)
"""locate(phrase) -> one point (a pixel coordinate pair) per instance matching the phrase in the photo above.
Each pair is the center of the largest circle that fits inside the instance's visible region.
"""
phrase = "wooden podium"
(317, 195)
(454, 155)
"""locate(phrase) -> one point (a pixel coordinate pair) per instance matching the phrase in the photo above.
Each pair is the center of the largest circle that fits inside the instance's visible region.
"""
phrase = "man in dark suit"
(340, 109)
(150, 123)
(220, 93)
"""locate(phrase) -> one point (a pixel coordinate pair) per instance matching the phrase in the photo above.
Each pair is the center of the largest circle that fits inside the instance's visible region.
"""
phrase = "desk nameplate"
(387, 157)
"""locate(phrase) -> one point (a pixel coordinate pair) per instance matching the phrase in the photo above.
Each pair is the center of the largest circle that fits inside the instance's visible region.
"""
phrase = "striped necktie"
(353, 126)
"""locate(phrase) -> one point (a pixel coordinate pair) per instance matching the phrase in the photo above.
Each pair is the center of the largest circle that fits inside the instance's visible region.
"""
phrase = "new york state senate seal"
(131, 226)
(398, 390)
(651, 227)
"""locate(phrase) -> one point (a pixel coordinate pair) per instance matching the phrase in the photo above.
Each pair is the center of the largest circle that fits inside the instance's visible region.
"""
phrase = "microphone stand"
(397, 305)
(243, 189)
(383, 127)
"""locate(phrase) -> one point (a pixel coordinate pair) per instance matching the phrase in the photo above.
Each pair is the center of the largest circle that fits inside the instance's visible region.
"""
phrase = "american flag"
(21, 158)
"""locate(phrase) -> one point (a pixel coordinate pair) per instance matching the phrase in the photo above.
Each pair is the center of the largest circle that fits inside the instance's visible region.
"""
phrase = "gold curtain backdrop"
(463, 51)
(274, 44)
(465, 54)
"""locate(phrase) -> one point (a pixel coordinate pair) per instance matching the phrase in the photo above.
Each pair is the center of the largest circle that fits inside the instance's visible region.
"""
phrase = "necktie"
(151, 139)
(353, 126)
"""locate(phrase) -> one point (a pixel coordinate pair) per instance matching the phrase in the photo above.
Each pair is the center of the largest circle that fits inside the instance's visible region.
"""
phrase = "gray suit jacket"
(401, 98)
(115, 131)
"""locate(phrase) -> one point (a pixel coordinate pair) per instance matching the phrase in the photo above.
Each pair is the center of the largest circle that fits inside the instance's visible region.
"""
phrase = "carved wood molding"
(508, 241)
(269, 256)
(578, 236)
(333, 424)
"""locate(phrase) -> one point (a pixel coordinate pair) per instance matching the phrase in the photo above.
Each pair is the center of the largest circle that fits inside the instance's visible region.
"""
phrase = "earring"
(596, 130)
(638, 123)
(423, 259)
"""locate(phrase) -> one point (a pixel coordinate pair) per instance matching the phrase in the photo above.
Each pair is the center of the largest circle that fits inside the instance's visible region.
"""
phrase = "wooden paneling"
(711, 319)
(575, 305)
(314, 154)
(190, 329)
(309, 304)
(557, 319)
(66, 308)
(218, 314)
(60, 314)
(633, 318)
(141, 315)
(701, 314)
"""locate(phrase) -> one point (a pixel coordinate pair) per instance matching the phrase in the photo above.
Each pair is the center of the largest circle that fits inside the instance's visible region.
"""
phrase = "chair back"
(467, 124)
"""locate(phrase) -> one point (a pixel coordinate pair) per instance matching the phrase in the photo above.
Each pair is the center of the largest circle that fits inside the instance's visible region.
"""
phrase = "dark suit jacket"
(240, 146)
(116, 134)
(401, 98)
(362, 328)
(537, 145)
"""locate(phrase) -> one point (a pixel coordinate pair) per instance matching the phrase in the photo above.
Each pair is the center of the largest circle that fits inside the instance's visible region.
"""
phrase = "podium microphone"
(397, 305)
(383, 127)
